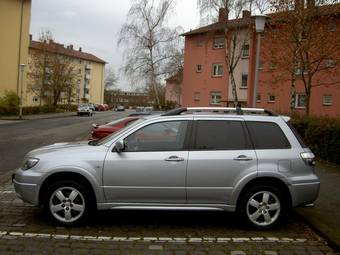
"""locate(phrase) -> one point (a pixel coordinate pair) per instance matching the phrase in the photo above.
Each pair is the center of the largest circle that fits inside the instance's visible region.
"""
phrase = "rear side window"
(297, 135)
(220, 135)
(267, 135)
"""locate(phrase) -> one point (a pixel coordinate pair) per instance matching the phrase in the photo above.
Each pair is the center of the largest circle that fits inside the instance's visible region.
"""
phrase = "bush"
(321, 134)
(9, 103)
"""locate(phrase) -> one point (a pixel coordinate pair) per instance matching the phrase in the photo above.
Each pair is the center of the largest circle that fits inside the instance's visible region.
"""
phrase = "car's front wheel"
(67, 202)
(262, 206)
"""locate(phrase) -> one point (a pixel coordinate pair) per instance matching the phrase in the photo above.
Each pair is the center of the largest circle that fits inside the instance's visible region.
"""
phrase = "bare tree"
(235, 37)
(51, 73)
(38, 66)
(311, 48)
(111, 79)
(148, 43)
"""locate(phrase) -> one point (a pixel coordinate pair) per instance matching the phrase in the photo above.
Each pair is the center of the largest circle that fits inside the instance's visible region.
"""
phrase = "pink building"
(206, 81)
(173, 88)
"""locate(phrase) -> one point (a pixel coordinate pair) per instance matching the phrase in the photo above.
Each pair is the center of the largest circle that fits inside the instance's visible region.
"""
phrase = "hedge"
(321, 134)
(10, 111)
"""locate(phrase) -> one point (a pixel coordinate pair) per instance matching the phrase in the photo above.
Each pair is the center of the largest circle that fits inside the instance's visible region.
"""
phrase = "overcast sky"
(94, 25)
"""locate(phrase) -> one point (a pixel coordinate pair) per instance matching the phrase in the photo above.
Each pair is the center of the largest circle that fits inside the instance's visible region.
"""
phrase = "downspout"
(20, 39)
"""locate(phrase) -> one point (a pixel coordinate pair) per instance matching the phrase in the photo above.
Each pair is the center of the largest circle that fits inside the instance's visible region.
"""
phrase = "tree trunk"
(292, 95)
(233, 86)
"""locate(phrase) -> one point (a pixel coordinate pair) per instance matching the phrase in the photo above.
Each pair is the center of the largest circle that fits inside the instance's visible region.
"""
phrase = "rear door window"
(267, 135)
(220, 135)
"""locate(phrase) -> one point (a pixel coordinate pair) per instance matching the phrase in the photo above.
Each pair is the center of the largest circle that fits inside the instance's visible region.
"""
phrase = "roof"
(233, 23)
(57, 48)
(245, 21)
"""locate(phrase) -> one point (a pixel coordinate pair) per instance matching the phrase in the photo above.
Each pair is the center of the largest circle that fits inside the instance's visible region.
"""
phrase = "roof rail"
(237, 110)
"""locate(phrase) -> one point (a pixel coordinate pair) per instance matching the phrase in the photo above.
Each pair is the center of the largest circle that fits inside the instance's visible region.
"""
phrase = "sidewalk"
(324, 217)
(37, 116)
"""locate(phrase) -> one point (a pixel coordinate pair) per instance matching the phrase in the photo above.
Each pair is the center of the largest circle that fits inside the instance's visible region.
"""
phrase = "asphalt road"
(19, 137)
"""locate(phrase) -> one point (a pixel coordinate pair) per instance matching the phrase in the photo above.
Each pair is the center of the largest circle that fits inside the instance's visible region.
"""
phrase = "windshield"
(111, 137)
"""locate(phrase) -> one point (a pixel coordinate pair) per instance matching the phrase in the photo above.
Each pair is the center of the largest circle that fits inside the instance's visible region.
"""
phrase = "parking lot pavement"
(25, 230)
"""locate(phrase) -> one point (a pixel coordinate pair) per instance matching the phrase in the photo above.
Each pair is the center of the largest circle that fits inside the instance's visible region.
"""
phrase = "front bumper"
(24, 188)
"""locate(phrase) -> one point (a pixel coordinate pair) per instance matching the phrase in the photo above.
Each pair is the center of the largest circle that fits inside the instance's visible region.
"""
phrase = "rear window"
(220, 135)
(267, 135)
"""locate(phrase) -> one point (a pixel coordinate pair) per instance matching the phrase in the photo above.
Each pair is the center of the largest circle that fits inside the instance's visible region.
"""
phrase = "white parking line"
(15, 235)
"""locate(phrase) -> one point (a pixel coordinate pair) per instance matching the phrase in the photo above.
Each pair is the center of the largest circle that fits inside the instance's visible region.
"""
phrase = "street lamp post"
(260, 21)
(22, 69)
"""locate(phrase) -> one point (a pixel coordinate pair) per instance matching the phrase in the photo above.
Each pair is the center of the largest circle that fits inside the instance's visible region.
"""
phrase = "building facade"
(173, 88)
(14, 27)
(88, 71)
(206, 81)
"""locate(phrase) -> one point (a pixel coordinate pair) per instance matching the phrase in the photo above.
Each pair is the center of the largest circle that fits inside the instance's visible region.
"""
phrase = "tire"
(262, 206)
(68, 203)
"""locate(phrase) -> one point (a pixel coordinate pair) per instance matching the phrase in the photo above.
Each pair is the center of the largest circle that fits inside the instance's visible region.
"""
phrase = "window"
(197, 96)
(215, 97)
(244, 82)
(271, 99)
(199, 42)
(217, 70)
(267, 135)
(272, 65)
(245, 50)
(162, 136)
(300, 101)
(260, 65)
(220, 135)
(219, 42)
(258, 97)
(327, 100)
(329, 63)
(198, 68)
(332, 26)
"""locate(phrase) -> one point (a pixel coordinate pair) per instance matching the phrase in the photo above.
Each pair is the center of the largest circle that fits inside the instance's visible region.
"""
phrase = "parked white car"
(84, 109)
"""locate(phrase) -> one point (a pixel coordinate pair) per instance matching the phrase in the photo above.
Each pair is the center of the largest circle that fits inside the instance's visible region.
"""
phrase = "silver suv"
(245, 160)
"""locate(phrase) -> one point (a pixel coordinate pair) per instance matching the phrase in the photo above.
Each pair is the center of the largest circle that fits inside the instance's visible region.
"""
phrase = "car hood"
(64, 147)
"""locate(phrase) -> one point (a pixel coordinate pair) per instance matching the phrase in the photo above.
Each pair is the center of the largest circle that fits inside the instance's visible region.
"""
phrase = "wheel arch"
(265, 180)
(59, 176)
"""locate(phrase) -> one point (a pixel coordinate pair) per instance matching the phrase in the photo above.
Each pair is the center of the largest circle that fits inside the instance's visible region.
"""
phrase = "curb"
(6, 177)
(333, 244)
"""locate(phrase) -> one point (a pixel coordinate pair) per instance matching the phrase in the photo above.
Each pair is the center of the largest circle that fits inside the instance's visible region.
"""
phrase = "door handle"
(243, 158)
(174, 158)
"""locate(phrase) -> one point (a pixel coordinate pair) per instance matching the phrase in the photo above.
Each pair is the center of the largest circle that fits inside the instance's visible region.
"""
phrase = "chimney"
(222, 14)
(245, 14)
(71, 46)
(80, 49)
(299, 5)
(310, 3)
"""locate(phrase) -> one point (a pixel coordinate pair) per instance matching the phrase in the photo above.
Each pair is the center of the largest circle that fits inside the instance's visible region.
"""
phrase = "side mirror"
(119, 146)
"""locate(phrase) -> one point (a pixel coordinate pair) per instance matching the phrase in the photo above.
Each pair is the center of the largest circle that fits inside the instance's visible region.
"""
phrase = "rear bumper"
(304, 193)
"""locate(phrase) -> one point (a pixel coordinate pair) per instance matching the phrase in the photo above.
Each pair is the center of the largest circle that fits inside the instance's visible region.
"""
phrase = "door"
(220, 156)
(152, 166)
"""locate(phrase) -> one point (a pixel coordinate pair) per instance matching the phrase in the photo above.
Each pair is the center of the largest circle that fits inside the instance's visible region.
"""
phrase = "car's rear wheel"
(68, 202)
(262, 206)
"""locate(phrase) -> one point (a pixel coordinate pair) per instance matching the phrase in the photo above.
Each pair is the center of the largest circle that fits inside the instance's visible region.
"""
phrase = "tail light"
(308, 157)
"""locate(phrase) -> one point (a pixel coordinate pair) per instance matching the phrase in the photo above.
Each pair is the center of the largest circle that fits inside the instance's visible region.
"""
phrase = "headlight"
(29, 163)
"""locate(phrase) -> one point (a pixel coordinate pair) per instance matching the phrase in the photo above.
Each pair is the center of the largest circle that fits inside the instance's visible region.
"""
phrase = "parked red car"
(103, 107)
(101, 131)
